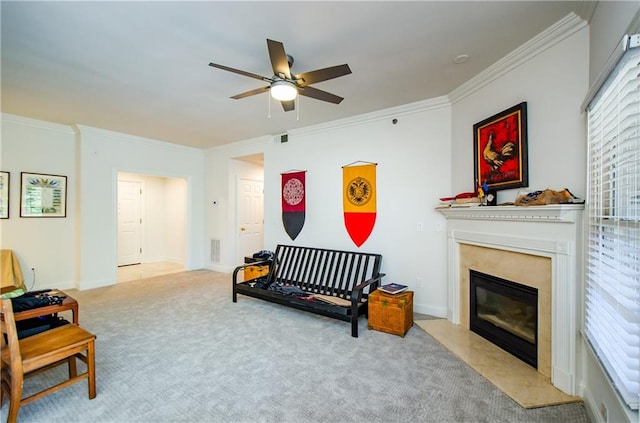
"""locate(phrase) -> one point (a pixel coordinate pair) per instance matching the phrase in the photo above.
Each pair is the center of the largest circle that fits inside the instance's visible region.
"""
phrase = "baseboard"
(61, 286)
(564, 380)
(603, 403)
(220, 268)
(591, 407)
(95, 284)
(430, 310)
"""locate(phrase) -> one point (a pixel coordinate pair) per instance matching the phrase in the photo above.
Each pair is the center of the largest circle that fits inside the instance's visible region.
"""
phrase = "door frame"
(238, 254)
(187, 213)
(141, 183)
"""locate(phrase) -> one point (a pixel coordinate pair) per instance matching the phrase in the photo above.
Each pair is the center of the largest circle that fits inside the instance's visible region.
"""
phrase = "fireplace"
(535, 246)
(505, 313)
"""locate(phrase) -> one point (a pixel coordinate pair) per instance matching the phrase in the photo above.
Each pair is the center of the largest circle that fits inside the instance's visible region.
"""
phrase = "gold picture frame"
(43, 195)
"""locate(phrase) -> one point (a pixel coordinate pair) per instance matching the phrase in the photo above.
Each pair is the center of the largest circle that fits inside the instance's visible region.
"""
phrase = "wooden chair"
(40, 352)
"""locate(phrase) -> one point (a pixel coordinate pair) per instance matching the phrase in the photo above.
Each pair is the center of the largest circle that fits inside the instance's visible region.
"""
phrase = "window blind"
(612, 279)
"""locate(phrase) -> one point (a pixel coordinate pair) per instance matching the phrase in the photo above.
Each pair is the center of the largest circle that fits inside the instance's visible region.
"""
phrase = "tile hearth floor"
(518, 380)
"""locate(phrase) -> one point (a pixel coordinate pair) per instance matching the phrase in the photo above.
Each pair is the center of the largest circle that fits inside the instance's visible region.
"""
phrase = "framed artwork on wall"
(43, 195)
(4, 195)
(500, 149)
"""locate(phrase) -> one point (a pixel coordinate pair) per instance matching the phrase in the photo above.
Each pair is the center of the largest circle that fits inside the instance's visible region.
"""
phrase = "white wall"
(222, 171)
(47, 244)
(412, 172)
(102, 155)
(80, 250)
(176, 220)
(553, 81)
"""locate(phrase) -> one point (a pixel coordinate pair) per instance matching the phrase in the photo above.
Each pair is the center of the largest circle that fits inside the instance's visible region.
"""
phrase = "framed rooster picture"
(500, 149)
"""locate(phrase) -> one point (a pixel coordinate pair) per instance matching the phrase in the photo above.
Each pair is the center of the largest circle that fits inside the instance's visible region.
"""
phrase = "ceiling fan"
(283, 85)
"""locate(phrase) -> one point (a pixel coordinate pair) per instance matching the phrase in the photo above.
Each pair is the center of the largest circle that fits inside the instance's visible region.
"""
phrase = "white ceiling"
(142, 67)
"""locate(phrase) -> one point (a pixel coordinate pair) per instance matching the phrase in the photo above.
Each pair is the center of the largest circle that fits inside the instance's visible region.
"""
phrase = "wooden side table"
(69, 303)
(391, 313)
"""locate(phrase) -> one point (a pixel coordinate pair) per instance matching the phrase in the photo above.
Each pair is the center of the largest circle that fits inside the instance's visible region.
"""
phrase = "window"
(612, 310)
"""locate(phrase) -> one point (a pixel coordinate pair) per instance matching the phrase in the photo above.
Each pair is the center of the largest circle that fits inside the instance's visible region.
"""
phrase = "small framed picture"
(43, 195)
(500, 150)
(4, 194)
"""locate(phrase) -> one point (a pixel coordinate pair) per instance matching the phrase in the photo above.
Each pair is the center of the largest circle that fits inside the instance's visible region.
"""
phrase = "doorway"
(152, 225)
(249, 231)
(250, 216)
(129, 222)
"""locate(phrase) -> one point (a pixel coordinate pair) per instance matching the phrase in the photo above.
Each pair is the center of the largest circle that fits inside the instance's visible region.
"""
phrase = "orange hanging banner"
(359, 201)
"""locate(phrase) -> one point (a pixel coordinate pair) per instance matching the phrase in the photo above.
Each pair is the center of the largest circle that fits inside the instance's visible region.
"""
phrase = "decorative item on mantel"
(547, 196)
(487, 197)
(483, 197)
(464, 199)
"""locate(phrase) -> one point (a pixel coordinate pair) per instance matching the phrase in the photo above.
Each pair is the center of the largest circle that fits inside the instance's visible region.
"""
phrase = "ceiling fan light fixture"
(283, 91)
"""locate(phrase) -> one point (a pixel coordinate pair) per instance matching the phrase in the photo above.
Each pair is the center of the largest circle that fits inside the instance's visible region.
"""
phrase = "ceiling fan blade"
(279, 60)
(320, 95)
(241, 72)
(288, 105)
(250, 93)
(320, 75)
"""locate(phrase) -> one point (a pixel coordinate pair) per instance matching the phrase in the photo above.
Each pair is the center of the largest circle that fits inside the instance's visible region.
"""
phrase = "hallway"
(136, 272)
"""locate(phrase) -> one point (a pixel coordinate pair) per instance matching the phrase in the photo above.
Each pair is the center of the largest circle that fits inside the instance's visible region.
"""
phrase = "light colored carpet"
(176, 349)
(518, 380)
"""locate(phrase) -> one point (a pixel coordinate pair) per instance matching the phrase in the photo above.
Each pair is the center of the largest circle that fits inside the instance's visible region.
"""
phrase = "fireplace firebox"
(505, 313)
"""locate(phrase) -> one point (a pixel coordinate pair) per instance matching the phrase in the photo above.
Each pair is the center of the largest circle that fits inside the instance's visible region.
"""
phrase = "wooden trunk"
(253, 272)
(391, 313)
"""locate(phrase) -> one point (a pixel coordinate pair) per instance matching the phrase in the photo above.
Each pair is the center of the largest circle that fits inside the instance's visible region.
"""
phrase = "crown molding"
(249, 146)
(81, 130)
(557, 32)
(35, 123)
(417, 107)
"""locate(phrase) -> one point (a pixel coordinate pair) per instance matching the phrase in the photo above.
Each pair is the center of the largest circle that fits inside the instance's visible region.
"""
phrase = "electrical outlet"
(33, 276)
(419, 282)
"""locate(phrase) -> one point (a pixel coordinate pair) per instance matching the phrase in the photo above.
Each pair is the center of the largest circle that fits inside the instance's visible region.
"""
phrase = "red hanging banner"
(359, 201)
(293, 202)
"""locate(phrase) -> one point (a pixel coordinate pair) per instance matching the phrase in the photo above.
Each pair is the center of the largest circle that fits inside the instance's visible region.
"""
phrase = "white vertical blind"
(612, 311)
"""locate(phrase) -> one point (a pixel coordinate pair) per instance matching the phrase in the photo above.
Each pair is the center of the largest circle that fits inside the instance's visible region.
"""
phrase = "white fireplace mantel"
(561, 213)
(552, 231)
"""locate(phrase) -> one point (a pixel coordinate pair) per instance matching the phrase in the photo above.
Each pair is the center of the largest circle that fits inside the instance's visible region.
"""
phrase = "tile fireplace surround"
(538, 246)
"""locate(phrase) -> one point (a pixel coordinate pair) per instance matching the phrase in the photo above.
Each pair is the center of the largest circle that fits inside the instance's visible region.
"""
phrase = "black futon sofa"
(331, 283)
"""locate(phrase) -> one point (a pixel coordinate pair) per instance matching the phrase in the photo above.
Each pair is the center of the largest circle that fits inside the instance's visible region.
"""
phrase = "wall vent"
(215, 251)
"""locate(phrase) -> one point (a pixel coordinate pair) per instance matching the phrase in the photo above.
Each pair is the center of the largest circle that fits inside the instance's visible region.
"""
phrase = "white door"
(129, 223)
(250, 217)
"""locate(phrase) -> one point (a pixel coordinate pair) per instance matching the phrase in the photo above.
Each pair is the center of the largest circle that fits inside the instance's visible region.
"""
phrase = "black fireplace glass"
(505, 313)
